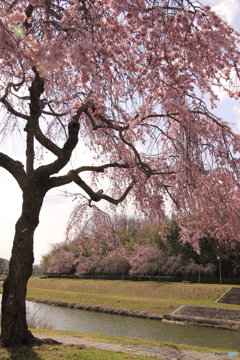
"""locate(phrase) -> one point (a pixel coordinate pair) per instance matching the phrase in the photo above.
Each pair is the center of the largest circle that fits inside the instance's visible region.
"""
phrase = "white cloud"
(228, 9)
(221, 94)
(236, 110)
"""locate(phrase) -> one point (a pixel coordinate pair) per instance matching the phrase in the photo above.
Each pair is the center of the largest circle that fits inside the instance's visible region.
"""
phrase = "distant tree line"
(144, 251)
(3, 266)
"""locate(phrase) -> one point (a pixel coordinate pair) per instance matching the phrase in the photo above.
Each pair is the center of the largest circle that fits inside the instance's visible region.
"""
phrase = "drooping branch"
(122, 198)
(191, 7)
(107, 123)
(4, 100)
(141, 165)
(97, 196)
(11, 109)
(104, 122)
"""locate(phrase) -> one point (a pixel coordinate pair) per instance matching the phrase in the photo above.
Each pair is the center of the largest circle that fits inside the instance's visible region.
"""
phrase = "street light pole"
(220, 269)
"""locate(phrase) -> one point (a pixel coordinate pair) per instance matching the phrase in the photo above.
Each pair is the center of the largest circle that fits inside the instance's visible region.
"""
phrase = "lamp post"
(220, 269)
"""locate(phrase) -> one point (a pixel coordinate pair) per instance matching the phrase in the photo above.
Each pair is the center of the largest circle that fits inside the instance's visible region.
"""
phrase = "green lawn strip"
(108, 300)
(157, 298)
(159, 307)
(103, 338)
(138, 289)
(65, 352)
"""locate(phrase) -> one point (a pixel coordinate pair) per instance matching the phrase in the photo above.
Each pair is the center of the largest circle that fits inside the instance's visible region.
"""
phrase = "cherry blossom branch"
(180, 6)
(10, 108)
(141, 165)
(7, 104)
(110, 124)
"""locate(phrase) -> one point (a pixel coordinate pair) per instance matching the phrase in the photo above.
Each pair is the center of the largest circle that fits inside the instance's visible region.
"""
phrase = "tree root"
(46, 341)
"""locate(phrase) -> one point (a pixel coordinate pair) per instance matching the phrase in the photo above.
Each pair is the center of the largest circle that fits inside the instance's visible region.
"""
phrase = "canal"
(59, 318)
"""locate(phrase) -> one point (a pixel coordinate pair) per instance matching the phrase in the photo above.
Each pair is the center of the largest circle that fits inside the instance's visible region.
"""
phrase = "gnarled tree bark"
(14, 326)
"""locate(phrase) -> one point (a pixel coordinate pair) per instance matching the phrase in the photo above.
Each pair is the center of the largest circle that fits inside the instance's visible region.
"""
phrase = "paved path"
(164, 353)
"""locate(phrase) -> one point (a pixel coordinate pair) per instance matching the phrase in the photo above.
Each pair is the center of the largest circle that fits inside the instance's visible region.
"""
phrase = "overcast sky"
(56, 209)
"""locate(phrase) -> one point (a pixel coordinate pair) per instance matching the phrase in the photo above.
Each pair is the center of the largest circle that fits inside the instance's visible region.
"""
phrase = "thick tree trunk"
(14, 330)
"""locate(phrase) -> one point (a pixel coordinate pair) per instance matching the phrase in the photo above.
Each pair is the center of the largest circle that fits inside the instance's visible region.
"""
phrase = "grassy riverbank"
(77, 352)
(158, 298)
(65, 352)
(150, 297)
(104, 338)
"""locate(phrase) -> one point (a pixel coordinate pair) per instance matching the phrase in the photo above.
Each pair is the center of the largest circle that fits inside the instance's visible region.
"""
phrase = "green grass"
(104, 338)
(81, 352)
(64, 352)
(151, 297)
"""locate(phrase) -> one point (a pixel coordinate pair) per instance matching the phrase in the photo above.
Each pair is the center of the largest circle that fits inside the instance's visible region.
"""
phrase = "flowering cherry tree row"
(144, 260)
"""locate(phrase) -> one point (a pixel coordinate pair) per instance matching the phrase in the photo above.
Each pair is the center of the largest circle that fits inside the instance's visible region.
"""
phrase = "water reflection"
(87, 321)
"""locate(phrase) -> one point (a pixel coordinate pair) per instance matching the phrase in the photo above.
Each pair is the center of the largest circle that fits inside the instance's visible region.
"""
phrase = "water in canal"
(87, 321)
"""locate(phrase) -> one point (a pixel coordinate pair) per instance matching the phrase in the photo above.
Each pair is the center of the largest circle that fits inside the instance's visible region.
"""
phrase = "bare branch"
(101, 168)
(96, 196)
(67, 179)
(15, 168)
(69, 146)
(140, 164)
(122, 198)
(47, 143)
(36, 89)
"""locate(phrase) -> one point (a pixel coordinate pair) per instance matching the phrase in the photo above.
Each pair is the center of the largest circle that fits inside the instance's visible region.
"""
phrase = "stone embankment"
(207, 316)
(210, 316)
(232, 296)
